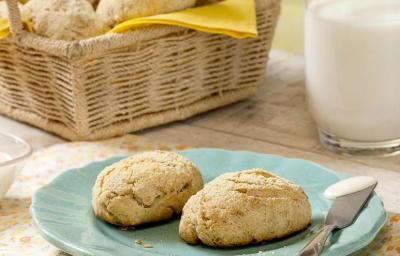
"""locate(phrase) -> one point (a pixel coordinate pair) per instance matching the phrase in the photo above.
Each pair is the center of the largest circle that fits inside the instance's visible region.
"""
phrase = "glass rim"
(28, 150)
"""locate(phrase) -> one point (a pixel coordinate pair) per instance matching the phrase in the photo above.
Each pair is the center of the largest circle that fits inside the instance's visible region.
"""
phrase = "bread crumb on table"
(148, 246)
(138, 241)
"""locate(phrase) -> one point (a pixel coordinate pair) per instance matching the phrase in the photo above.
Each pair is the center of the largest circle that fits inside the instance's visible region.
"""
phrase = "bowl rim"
(28, 150)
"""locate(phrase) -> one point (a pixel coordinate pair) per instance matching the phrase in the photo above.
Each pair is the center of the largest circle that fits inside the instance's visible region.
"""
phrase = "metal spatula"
(342, 213)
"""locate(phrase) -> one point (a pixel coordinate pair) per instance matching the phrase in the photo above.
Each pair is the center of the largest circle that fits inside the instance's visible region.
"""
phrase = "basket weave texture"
(118, 83)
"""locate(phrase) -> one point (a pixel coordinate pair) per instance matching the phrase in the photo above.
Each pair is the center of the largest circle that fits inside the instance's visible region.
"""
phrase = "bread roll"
(93, 2)
(206, 2)
(64, 19)
(242, 208)
(20, 1)
(144, 188)
(3, 10)
(117, 11)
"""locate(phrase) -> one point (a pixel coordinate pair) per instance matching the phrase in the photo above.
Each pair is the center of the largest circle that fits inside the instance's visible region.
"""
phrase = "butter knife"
(342, 213)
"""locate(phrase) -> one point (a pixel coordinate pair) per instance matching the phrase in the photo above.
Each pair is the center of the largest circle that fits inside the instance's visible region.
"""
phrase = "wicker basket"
(119, 83)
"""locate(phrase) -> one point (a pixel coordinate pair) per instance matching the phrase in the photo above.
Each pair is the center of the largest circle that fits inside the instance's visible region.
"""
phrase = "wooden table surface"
(275, 121)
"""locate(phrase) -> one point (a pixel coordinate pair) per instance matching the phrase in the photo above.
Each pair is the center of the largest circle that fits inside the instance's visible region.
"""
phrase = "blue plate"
(63, 215)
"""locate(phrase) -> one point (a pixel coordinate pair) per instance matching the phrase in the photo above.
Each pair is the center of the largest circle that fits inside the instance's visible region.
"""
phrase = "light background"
(289, 35)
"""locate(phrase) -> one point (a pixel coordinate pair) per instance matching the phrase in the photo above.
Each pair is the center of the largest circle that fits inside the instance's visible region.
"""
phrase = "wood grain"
(389, 180)
(275, 121)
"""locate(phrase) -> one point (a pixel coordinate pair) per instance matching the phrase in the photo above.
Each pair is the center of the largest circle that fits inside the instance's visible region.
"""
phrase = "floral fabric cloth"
(19, 237)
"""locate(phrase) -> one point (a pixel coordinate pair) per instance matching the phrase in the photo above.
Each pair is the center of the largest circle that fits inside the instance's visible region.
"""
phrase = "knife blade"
(342, 213)
(345, 209)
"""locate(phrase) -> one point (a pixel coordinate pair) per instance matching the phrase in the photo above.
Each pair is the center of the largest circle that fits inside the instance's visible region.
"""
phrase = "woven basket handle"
(14, 18)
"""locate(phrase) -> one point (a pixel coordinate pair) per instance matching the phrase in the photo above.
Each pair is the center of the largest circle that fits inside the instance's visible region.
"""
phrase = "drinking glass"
(352, 56)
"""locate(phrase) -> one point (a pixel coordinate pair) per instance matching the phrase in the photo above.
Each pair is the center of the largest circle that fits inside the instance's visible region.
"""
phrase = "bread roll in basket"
(118, 83)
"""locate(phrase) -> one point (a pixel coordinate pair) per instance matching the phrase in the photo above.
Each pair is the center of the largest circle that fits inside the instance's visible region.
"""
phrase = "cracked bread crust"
(243, 208)
(67, 20)
(117, 11)
(147, 187)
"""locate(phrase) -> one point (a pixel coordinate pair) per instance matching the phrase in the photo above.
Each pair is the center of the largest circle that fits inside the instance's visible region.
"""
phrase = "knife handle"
(317, 243)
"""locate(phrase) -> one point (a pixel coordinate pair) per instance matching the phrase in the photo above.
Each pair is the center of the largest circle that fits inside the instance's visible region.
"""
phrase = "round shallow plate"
(63, 215)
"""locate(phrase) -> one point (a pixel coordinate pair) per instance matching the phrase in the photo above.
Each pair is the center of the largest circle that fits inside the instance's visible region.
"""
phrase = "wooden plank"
(202, 137)
(36, 138)
(278, 114)
(275, 121)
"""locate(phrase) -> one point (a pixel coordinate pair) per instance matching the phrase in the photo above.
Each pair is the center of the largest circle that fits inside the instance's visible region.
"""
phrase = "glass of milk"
(13, 151)
(352, 54)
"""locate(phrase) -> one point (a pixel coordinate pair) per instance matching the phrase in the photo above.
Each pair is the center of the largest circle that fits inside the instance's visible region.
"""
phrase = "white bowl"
(13, 152)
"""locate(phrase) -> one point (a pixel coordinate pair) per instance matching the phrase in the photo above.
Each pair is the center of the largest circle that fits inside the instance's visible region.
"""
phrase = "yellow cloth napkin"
(236, 18)
(4, 29)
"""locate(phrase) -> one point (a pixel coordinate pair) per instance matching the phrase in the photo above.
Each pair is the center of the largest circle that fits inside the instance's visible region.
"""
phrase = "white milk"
(353, 67)
(6, 174)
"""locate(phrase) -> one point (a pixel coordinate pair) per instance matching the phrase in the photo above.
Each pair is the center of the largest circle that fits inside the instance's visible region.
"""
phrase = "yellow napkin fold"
(4, 29)
(236, 18)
